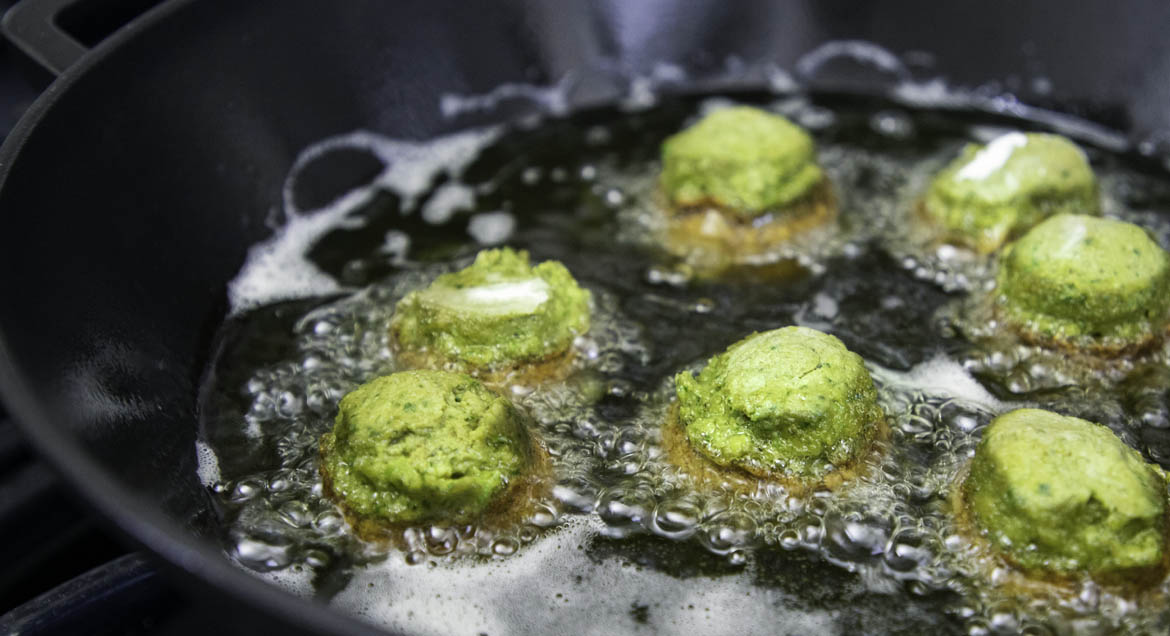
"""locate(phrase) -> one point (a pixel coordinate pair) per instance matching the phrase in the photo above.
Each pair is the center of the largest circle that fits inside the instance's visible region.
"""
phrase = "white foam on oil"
(206, 464)
(941, 376)
(278, 269)
(642, 90)
(867, 53)
(992, 157)
(295, 580)
(395, 245)
(779, 80)
(491, 228)
(553, 99)
(932, 93)
(447, 200)
(552, 586)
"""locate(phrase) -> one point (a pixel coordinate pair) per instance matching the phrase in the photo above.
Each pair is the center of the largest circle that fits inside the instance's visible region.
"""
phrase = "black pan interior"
(133, 190)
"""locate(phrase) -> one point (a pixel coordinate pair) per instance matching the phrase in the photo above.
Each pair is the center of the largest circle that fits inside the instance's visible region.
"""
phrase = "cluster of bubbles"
(870, 189)
(908, 306)
(1129, 390)
(279, 515)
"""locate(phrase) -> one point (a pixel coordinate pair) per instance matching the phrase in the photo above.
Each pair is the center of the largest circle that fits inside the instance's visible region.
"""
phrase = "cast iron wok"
(134, 186)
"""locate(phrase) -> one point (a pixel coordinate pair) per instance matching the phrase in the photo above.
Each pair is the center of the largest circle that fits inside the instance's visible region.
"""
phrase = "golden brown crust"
(1019, 581)
(712, 239)
(711, 476)
(553, 368)
(935, 233)
(507, 512)
(1087, 346)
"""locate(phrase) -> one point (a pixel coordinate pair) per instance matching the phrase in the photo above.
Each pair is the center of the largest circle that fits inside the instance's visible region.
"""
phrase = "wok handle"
(32, 27)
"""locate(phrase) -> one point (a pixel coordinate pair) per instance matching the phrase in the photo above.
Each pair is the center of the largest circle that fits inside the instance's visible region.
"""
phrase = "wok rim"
(120, 507)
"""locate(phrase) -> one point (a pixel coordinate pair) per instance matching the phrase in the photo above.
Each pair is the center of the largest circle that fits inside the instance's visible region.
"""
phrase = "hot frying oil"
(622, 539)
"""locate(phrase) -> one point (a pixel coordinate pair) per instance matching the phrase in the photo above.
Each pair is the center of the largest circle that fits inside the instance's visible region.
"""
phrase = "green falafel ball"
(423, 446)
(1061, 495)
(1074, 277)
(498, 311)
(790, 403)
(745, 160)
(990, 193)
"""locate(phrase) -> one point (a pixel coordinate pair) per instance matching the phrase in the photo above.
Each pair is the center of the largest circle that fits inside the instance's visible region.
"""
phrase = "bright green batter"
(1077, 276)
(1062, 495)
(991, 193)
(792, 402)
(423, 446)
(500, 310)
(745, 160)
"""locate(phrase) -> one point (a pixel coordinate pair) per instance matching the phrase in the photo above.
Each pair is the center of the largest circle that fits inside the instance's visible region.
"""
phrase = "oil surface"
(625, 541)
